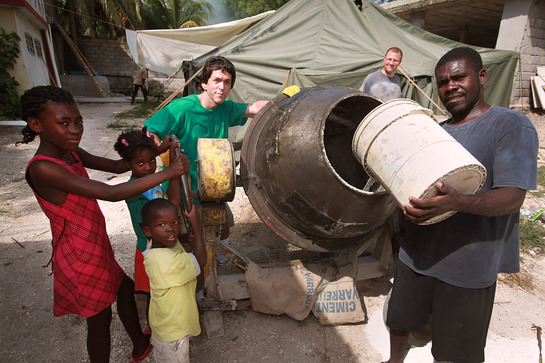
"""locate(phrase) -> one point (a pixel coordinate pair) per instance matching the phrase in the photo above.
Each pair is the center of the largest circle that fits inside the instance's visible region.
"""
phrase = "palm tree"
(245, 8)
(90, 17)
(126, 13)
(173, 14)
(109, 17)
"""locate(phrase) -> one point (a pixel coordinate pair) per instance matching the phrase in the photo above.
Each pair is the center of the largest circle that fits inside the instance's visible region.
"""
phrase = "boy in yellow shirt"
(172, 272)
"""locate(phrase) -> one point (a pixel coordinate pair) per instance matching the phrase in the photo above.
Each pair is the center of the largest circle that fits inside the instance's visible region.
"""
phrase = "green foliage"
(541, 175)
(6, 209)
(174, 14)
(540, 182)
(143, 110)
(111, 17)
(9, 52)
(121, 125)
(101, 18)
(245, 8)
(532, 235)
(132, 119)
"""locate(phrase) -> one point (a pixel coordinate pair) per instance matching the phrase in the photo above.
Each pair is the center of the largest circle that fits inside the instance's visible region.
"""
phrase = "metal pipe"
(183, 180)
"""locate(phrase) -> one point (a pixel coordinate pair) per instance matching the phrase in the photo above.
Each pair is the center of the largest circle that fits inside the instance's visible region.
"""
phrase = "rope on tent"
(409, 77)
(175, 93)
(287, 78)
(422, 91)
(166, 83)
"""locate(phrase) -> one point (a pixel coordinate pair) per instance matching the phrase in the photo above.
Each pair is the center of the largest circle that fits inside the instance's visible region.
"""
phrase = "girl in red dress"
(87, 278)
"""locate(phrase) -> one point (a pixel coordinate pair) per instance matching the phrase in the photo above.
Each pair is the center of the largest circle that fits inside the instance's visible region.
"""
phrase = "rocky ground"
(30, 333)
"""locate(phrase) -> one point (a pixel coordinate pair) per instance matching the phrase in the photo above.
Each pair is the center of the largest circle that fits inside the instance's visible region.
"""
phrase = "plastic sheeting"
(164, 50)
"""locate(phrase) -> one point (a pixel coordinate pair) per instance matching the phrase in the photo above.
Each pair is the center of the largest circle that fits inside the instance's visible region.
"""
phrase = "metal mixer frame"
(229, 291)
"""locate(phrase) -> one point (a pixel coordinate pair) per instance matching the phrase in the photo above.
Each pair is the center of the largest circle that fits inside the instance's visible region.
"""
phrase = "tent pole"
(287, 77)
(421, 90)
(79, 57)
(180, 89)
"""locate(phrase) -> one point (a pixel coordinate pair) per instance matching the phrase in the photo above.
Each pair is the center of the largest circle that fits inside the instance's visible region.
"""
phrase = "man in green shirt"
(207, 115)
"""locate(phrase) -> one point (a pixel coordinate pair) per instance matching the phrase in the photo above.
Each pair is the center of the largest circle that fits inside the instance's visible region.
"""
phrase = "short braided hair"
(471, 56)
(33, 103)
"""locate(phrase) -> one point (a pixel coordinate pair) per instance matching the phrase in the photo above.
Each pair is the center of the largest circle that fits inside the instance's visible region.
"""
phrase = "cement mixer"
(324, 171)
(300, 174)
(303, 181)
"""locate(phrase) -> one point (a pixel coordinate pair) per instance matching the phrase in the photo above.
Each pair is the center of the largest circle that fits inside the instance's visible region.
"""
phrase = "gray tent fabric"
(165, 50)
(330, 42)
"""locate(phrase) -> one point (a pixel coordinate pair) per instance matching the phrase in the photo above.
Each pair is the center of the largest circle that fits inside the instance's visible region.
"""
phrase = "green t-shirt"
(189, 121)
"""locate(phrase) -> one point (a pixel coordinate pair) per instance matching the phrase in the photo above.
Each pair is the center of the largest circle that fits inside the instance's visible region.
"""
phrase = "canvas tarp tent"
(330, 42)
(164, 50)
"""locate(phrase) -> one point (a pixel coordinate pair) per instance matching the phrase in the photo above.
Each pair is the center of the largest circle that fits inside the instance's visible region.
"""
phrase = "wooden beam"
(79, 57)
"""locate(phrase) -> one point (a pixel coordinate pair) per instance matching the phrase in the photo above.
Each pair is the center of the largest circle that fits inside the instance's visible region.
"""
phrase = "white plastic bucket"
(402, 147)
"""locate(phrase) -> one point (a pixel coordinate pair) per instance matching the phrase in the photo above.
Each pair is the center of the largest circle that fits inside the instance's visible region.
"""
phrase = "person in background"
(206, 115)
(139, 82)
(448, 270)
(384, 83)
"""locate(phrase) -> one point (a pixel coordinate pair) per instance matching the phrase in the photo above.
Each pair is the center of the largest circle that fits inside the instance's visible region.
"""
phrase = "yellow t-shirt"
(173, 311)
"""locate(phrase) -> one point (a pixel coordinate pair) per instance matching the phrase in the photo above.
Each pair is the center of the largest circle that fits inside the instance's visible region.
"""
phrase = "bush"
(143, 110)
(532, 235)
(9, 52)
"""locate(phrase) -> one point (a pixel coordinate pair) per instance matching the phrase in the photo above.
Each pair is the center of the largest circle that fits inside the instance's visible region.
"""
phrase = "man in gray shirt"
(449, 269)
(384, 83)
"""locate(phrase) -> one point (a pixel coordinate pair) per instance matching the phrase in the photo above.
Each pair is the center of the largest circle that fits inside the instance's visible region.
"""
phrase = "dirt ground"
(30, 333)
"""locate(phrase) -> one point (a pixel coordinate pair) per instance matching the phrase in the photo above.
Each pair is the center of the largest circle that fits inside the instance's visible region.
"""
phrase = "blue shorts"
(459, 316)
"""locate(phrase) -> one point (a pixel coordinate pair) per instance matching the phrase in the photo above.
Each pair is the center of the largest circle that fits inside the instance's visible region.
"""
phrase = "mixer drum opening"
(340, 125)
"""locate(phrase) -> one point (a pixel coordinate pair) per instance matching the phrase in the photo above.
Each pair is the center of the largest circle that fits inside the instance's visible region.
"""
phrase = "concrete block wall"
(110, 57)
(84, 86)
(532, 52)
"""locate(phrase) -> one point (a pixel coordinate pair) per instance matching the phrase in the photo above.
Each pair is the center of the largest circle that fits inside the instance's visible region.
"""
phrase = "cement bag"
(338, 301)
(289, 289)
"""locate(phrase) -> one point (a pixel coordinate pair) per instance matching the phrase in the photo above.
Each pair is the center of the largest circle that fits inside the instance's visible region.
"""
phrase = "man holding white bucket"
(384, 83)
(447, 271)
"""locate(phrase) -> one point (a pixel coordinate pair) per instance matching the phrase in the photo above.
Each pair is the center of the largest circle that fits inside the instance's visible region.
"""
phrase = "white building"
(36, 63)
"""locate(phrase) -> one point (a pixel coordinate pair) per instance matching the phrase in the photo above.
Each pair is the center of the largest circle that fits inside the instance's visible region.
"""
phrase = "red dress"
(86, 276)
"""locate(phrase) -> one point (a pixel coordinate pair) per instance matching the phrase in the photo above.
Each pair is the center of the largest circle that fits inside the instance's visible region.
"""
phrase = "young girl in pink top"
(87, 278)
